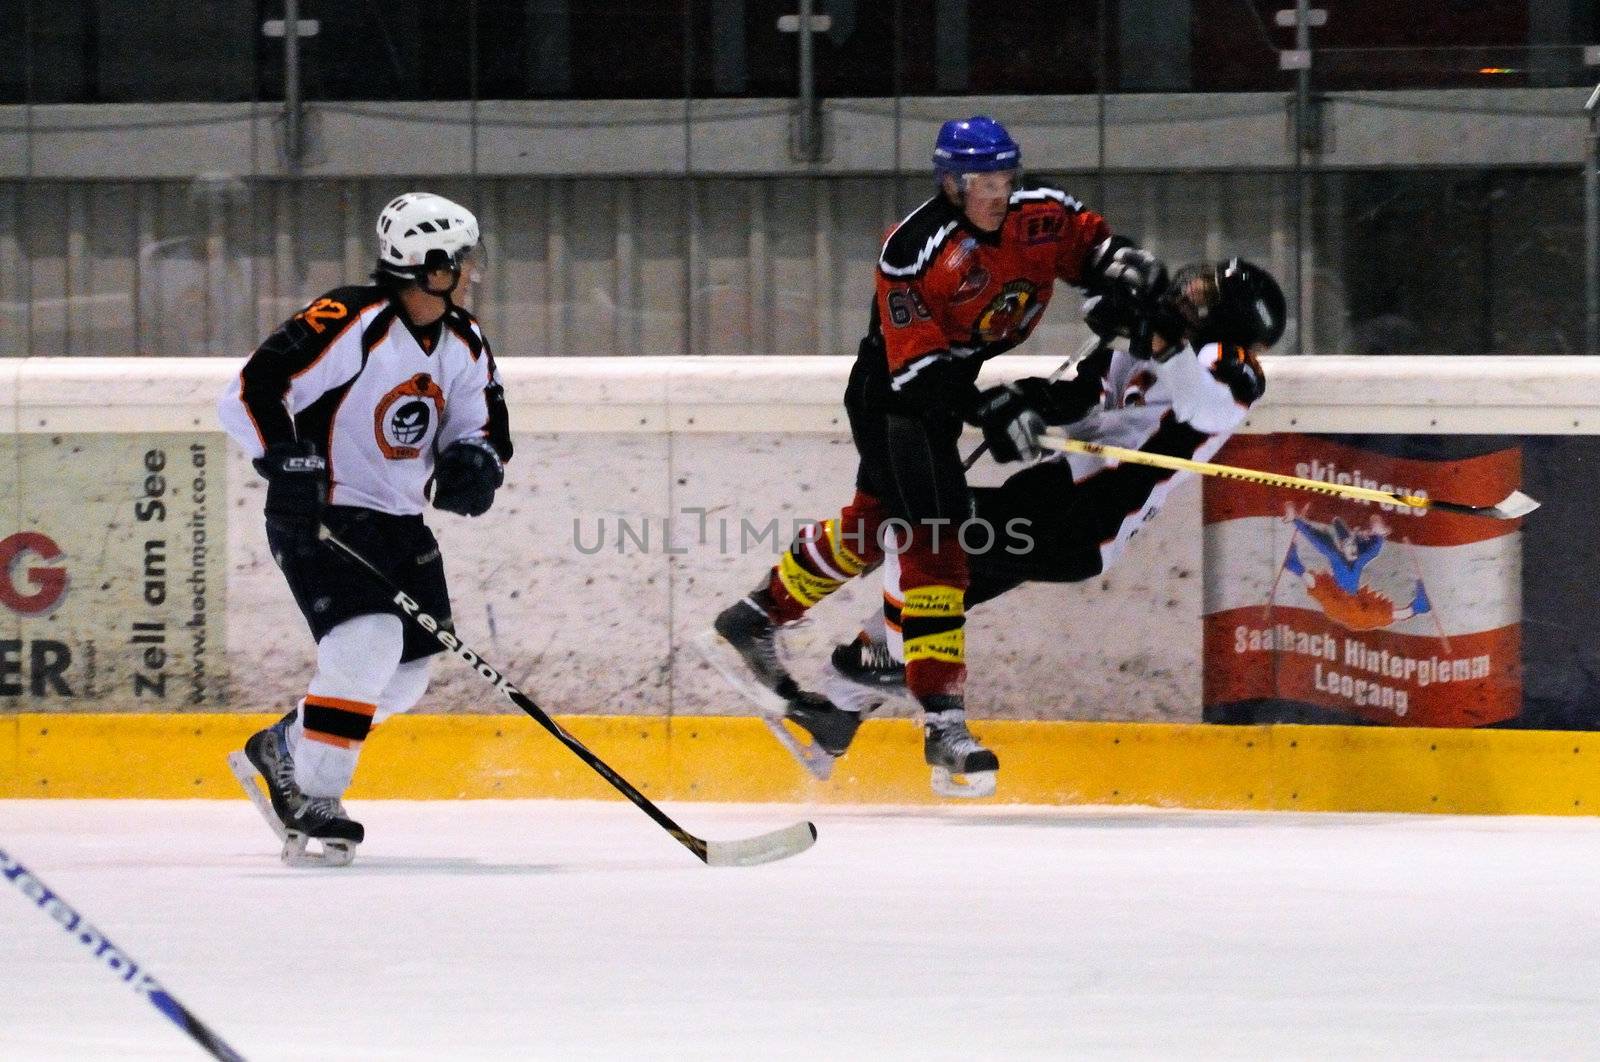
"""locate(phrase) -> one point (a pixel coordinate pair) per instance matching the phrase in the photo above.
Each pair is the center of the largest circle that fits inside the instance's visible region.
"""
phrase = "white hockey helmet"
(420, 231)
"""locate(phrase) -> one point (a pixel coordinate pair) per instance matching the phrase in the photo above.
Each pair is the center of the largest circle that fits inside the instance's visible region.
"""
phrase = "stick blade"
(766, 848)
(1514, 505)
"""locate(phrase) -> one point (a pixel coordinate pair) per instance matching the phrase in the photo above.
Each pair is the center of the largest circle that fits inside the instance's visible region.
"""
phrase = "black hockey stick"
(112, 957)
(751, 851)
(1084, 352)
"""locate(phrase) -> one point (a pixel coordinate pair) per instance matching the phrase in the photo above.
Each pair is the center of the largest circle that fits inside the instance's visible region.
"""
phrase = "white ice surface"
(579, 930)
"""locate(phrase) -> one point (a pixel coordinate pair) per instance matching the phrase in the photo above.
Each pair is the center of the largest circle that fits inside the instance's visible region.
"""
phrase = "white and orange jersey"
(378, 397)
(1186, 406)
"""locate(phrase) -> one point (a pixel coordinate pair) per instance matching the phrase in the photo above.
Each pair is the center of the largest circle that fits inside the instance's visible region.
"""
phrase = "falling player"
(1183, 398)
(358, 411)
(964, 277)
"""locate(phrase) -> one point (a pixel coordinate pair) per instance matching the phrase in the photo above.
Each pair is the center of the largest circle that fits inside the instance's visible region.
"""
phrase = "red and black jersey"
(950, 297)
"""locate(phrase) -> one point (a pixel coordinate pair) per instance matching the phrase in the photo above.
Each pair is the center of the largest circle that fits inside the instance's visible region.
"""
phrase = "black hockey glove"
(1011, 426)
(1239, 369)
(1056, 402)
(1113, 314)
(1127, 283)
(297, 487)
(1116, 263)
(466, 476)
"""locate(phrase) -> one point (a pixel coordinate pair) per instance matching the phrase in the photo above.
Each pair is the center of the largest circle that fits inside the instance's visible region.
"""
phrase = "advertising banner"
(113, 572)
(1327, 609)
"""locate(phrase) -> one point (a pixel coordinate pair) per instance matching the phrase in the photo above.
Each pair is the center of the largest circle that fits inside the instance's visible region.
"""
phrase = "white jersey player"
(1069, 517)
(359, 410)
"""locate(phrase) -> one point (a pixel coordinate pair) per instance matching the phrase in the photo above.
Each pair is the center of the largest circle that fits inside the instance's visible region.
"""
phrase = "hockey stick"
(1416, 569)
(1083, 352)
(1512, 506)
(778, 844)
(112, 957)
(1283, 566)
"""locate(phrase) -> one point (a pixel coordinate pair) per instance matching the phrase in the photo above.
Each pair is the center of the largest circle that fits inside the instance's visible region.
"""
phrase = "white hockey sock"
(405, 689)
(355, 663)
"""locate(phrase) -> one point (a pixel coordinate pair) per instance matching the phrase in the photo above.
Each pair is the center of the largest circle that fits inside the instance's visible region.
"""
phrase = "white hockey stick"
(779, 844)
(112, 957)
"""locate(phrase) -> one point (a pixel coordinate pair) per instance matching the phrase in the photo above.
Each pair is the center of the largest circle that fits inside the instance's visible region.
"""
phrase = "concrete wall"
(570, 265)
(659, 227)
(1156, 131)
(672, 227)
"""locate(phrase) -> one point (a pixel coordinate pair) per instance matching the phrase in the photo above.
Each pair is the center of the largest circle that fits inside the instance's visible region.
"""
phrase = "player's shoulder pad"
(914, 243)
(352, 297)
(1236, 367)
(463, 324)
(324, 319)
(1041, 195)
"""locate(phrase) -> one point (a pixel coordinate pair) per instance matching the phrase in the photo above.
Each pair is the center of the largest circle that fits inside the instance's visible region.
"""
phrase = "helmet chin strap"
(440, 293)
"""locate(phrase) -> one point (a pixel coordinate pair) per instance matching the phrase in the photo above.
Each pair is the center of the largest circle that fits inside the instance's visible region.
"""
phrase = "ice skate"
(268, 752)
(825, 732)
(267, 763)
(863, 674)
(962, 767)
(743, 647)
(321, 819)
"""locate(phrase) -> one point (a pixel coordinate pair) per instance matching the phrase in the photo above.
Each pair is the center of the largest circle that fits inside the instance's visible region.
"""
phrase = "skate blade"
(727, 662)
(967, 786)
(855, 696)
(816, 760)
(333, 854)
(250, 779)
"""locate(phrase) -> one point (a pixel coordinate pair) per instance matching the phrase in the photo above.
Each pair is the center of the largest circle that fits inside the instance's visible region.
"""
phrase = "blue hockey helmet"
(975, 145)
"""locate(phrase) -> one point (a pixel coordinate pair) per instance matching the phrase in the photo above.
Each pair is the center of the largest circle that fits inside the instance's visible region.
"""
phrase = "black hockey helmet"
(1229, 302)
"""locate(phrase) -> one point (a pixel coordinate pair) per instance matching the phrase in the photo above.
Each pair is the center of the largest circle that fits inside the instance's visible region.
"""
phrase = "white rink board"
(650, 395)
(491, 930)
(642, 440)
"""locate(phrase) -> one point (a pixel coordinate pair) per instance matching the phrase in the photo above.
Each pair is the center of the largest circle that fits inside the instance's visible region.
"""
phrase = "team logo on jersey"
(1011, 311)
(406, 415)
(971, 285)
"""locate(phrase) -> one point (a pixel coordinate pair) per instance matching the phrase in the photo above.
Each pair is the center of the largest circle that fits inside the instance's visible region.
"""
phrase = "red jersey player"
(964, 277)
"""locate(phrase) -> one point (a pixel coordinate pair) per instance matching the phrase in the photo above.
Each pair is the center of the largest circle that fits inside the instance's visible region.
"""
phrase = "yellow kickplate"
(732, 758)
